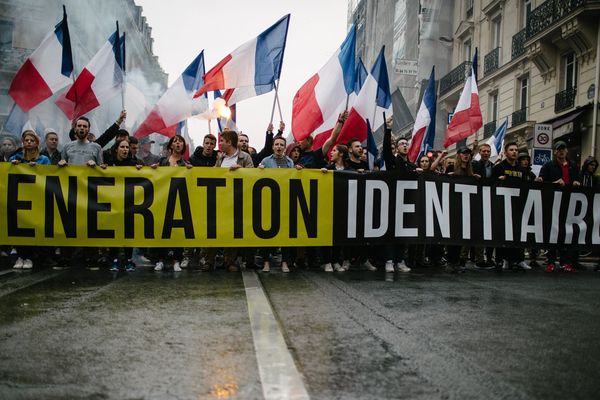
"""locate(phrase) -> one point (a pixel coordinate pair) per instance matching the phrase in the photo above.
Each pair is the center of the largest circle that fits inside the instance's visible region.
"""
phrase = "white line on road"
(278, 374)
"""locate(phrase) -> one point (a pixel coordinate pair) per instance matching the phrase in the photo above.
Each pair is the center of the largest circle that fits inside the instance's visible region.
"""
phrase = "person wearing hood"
(524, 161)
(205, 155)
(588, 173)
(589, 179)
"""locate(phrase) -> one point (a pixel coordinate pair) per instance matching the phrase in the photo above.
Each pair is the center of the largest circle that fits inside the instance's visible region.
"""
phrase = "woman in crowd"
(277, 160)
(332, 254)
(293, 152)
(119, 157)
(29, 154)
(176, 148)
(8, 146)
(589, 179)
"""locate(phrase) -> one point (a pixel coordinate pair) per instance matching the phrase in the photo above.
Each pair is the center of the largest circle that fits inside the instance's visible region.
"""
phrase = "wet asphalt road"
(355, 335)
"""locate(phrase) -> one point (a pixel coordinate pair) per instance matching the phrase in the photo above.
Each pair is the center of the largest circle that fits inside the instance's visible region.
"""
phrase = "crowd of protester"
(235, 152)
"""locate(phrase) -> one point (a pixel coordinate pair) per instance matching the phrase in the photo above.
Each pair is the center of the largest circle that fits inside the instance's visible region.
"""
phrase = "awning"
(566, 119)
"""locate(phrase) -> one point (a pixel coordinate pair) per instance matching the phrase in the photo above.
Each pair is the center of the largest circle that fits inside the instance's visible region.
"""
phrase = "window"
(526, 8)
(523, 93)
(493, 107)
(467, 50)
(496, 32)
(570, 68)
(469, 8)
(6, 34)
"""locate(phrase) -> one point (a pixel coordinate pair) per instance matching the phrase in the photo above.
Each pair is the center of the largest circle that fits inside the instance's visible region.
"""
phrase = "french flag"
(423, 132)
(496, 142)
(373, 100)
(47, 70)
(99, 81)
(322, 98)
(467, 117)
(254, 66)
(177, 103)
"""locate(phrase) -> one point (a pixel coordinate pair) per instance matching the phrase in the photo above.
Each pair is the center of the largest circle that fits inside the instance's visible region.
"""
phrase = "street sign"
(542, 136)
(406, 67)
(450, 115)
(541, 156)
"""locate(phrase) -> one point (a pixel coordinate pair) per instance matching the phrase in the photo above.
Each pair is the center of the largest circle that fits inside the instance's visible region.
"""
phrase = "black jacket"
(552, 171)
(198, 159)
(393, 162)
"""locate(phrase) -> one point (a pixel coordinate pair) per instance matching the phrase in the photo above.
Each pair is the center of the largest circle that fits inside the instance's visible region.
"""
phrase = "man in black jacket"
(205, 155)
(563, 172)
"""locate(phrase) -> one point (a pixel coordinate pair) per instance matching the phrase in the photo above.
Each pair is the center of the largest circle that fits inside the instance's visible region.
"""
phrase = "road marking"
(279, 376)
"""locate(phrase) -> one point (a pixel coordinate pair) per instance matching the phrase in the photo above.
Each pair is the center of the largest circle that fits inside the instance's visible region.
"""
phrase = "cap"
(49, 130)
(146, 140)
(463, 150)
(523, 155)
(559, 145)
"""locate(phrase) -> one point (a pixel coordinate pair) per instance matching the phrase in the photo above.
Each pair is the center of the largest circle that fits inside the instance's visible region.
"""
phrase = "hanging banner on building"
(215, 207)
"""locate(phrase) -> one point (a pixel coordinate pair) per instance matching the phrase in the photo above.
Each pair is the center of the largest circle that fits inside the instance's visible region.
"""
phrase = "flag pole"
(274, 101)
(209, 130)
(124, 83)
(279, 106)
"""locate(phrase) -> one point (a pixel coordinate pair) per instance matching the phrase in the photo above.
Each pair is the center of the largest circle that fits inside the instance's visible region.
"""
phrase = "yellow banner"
(164, 207)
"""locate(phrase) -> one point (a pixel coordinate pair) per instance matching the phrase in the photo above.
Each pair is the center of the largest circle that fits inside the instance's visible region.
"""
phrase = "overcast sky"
(182, 28)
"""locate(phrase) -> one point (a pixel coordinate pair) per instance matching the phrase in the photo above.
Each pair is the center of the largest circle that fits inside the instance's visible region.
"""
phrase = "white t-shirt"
(230, 161)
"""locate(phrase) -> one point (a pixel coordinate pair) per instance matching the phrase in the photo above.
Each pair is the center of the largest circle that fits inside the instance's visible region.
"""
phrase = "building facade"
(24, 23)
(538, 64)
(416, 35)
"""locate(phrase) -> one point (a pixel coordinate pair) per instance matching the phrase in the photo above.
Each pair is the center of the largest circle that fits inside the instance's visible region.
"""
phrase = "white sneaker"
(389, 266)
(328, 267)
(18, 263)
(266, 267)
(338, 268)
(185, 263)
(284, 267)
(27, 264)
(505, 264)
(524, 265)
(370, 267)
(176, 266)
(159, 266)
(470, 264)
(401, 266)
(346, 265)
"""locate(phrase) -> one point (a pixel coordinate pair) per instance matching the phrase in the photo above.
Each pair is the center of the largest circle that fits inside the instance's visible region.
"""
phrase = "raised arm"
(336, 132)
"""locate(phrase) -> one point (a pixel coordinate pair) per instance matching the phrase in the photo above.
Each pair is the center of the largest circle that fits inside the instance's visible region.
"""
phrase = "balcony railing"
(491, 61)
(548, 13)
(565, 99)
(455, 77)
(518, 43)
(519, 116)
(489, 129)
(470, 12)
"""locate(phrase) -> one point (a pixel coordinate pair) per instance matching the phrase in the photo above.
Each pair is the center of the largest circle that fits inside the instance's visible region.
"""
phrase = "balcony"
(455, 77)
(489, 129)
(549, 12)
(491, 61)
(518, 43)
(470, 11)
(519, 117)
(565, 99)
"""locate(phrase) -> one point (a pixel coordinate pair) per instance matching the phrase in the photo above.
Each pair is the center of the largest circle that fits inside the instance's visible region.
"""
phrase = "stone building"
(24, 23)
(537, 64)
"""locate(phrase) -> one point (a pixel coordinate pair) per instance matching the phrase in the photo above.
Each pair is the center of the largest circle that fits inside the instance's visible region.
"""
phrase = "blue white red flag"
(47, 70)
(372, 102)
(423, 132)
(253, 67)
(98, 82)
(467, 117)
(177, 103)
(372, 152)
(323, 97)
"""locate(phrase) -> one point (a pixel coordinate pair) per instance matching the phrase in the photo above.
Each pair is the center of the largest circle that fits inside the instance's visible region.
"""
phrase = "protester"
(8, 146)
(277, 160)
(589, 179)
(205, 155)
(144, 152)
(176, 146)
(51, 146)
(332, 255)
(29, 154)
(562, 172)
(120, 157)
(509, 170)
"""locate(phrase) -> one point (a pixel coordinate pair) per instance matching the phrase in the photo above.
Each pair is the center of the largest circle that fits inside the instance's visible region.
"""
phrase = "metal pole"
(274, 102)
(596, 84)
